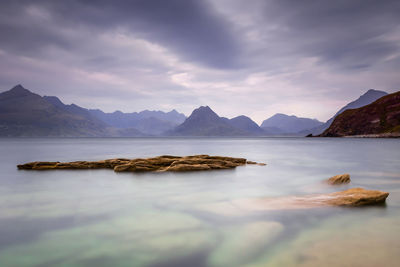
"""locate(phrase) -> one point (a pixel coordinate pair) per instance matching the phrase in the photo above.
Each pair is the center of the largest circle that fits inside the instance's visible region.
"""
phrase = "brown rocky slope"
(379, 119)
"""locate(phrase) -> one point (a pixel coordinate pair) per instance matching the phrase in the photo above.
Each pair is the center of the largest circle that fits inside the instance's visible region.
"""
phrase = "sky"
(255, 58)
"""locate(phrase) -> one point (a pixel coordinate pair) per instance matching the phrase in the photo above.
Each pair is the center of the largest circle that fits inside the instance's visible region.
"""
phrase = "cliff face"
(379, 117)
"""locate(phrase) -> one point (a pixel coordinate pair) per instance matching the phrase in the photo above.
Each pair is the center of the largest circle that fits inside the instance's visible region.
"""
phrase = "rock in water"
(349, 198)
(255, 163)
(339, 179)
(357, 197)
(159, 164)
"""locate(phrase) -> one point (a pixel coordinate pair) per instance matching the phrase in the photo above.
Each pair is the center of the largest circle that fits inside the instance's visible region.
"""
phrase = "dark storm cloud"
(351, 34)
(189, 28)
(24, 36)
(299, 57)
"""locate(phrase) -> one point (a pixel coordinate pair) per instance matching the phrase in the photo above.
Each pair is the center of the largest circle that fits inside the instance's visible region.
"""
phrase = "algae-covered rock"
(159, 164)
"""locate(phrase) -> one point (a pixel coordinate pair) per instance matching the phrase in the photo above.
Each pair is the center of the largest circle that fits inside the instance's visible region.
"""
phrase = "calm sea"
(102, 218)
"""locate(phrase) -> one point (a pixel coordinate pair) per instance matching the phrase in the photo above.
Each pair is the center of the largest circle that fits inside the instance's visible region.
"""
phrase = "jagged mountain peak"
(204, 112)
(205, 122)
(374, 91)
(17, 91)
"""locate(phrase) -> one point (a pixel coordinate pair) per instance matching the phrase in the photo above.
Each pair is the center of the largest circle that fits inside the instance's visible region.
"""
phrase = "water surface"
(102, 218)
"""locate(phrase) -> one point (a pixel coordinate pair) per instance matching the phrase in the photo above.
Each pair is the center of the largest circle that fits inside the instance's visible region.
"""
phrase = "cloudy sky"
(256, 58)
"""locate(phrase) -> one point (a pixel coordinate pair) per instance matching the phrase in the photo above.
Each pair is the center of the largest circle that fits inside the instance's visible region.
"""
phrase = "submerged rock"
(339, 179)
(255, 163)
(241, 244)
(353, 197)
(159, 164)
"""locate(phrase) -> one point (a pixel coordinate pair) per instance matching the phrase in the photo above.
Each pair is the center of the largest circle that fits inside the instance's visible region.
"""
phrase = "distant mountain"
(149, 122)
(284, 124)
(23, 113)
(380, 117)
(205, 122)
(274, 131)
(370, 96)
(74, 109)
(246, 125)
(172, 116)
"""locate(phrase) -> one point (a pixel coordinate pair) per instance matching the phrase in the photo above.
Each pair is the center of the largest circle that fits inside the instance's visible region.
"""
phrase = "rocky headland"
(378, 119)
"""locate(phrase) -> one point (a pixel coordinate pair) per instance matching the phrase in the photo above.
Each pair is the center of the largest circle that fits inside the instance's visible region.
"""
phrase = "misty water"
(102, 218)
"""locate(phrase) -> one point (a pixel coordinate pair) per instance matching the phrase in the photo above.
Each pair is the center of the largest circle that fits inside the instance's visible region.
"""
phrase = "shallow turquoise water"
(102, 218)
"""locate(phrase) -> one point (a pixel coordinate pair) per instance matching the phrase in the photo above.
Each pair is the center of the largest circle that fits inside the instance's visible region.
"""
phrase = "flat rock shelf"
(354, 197)
(156, 164)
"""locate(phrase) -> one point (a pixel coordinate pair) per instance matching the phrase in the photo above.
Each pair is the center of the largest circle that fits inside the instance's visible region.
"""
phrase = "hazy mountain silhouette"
(274, 131)
(205, 122)
(379, 117)
(367, 98)
(23, 113)
(284, 124)
(110, 129)
(149, 122)
(75, 109)
(246, 124)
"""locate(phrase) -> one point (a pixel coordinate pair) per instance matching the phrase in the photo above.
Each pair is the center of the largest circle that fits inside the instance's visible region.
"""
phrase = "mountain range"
(23, 113)
(147, 122)
(26, 114)
(205, 122)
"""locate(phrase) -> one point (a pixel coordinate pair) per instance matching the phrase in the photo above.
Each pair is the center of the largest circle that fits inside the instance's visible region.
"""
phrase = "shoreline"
(384, 135)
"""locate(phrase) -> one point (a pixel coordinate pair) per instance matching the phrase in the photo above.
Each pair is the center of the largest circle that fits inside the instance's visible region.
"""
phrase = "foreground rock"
(339, 179)
(351, 198)
(354, 197)
(159, 164)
